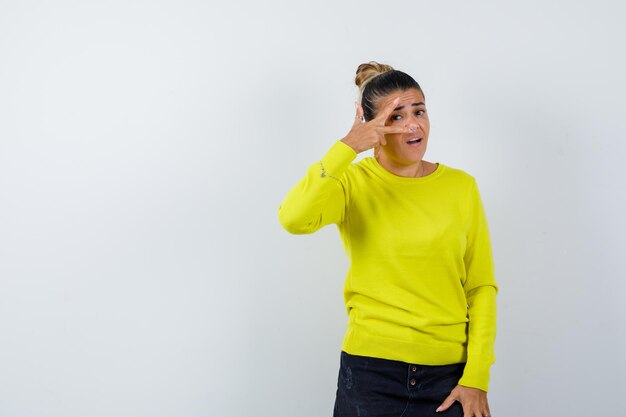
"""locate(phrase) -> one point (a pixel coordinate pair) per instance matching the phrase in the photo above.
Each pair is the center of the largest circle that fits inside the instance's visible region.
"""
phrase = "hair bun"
(365, 72)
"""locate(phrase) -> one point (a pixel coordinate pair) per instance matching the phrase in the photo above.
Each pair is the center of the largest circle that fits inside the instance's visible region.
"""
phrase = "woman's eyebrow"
(419, 103)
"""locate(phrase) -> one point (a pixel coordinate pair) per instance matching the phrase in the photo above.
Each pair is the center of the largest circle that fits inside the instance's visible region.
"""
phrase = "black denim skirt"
(379, 388)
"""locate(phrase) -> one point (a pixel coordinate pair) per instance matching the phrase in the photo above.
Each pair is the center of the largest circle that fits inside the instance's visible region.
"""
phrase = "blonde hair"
(368, 71)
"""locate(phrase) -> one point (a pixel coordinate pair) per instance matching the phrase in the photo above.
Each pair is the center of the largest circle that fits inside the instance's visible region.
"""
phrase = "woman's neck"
(415, 170)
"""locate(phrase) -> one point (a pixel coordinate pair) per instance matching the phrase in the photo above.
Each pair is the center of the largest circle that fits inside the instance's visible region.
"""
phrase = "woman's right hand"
(364, 136)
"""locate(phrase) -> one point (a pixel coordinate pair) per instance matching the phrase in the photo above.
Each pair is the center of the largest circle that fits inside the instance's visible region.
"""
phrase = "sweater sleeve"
(319, 198)
(480, 290)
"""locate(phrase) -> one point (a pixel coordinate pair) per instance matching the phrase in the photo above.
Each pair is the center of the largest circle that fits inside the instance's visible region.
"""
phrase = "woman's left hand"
(473, 400)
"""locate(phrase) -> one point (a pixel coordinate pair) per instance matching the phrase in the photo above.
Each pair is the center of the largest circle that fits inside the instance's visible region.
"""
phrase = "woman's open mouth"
(414, 141)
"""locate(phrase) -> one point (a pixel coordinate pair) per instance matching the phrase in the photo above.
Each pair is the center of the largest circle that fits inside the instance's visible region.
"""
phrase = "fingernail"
(438, 410)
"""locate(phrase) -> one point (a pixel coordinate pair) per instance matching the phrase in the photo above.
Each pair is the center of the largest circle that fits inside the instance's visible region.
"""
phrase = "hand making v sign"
(367, 135)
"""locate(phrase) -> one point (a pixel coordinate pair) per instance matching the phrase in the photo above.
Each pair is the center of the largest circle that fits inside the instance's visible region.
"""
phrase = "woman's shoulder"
(457, 173)
(457, 178)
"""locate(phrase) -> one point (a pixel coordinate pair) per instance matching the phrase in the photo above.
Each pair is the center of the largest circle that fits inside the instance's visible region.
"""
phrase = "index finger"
(384, 113)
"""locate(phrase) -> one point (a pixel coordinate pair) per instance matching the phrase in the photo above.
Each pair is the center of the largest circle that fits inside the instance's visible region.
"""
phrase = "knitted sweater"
(420, 287)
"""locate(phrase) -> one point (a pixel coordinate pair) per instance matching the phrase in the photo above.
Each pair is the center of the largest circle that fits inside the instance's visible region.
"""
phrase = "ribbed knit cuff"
(337, 159)
(476, 375)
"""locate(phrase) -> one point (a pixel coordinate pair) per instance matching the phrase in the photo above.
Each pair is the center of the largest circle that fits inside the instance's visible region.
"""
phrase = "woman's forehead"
(407, 97)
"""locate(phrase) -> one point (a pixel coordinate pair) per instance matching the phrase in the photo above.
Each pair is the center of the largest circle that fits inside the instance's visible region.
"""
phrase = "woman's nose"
(413, 125)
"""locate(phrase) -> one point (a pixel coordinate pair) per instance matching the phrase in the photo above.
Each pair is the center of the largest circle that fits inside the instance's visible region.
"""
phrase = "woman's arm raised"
(320, 197)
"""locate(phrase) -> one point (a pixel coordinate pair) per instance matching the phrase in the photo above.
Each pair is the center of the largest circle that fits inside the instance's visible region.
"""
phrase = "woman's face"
(406, 148)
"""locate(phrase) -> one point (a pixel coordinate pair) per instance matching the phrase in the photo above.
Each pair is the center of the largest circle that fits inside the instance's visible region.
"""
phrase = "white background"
(145, 147)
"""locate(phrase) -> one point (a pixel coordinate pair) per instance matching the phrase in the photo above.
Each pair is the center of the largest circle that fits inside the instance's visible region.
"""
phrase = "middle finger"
(382, 116)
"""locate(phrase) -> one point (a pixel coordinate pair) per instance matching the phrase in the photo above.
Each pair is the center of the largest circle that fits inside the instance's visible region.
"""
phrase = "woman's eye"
(396, 117)
(420, 112)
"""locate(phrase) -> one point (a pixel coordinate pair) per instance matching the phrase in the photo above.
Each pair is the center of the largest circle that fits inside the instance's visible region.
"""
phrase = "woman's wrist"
(352, 143)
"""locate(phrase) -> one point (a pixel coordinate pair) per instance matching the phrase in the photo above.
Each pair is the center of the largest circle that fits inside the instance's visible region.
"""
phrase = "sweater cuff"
(476, 375)
(337, 159)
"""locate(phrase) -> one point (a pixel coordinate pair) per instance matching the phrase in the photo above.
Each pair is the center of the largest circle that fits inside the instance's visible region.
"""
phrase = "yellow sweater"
(420, 287)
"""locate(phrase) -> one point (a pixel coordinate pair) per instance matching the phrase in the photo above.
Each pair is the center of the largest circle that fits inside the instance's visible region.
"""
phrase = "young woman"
(420, 292)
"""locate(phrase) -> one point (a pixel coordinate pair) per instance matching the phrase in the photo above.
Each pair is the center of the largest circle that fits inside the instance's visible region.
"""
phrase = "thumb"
(446, 403)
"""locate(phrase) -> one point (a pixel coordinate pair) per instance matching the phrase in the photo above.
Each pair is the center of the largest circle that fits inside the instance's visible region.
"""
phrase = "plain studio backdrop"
(145, 147)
